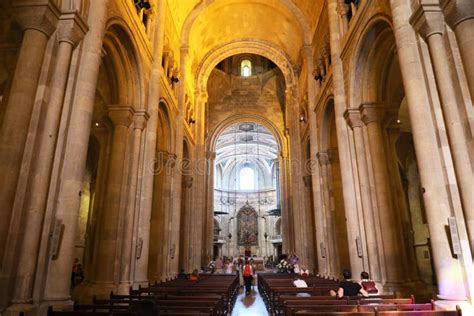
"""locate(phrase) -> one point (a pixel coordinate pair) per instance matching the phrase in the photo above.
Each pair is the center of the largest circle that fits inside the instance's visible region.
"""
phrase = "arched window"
(246, 179)
(246, 68)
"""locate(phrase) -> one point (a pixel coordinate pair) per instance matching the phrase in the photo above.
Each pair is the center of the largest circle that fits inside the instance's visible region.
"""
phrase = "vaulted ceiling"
(204, 25)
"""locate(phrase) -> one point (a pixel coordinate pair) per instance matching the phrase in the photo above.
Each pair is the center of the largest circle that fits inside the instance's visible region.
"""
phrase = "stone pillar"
(300, 231)
(343, 9)
(428, 20)
(200, 171)
(139, 122)
(286, 215)
(57, 289)
(71, 29)
(143, 234)
(38, 20)
(314, 168)
(373, 115)
(209, 211)
(449, 271)
(330, 243)
(175, 210)
(355, 228)
(370, 217)
(459, 14)
(109, 233)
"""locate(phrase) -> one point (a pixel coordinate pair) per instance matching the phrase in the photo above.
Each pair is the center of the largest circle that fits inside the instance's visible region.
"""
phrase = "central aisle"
(250, 305)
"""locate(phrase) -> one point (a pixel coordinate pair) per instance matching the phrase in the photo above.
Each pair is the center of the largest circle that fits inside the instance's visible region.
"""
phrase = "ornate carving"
(247, 226)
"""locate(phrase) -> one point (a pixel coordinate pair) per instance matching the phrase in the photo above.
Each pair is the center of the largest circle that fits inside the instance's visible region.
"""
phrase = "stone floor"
(250, 305)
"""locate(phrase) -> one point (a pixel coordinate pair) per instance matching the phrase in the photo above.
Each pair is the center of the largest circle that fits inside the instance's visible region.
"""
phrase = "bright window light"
(247, 180)
(246, 68)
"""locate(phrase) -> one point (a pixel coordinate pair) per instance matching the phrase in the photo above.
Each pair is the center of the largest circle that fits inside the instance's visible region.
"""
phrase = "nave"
(139, 138)
(272, 294)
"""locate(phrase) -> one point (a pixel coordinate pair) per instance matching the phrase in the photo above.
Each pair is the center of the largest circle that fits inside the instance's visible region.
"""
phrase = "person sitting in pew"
(367, 284)
(182, 275)
(194, 276)
(348, 287)
(301, 284)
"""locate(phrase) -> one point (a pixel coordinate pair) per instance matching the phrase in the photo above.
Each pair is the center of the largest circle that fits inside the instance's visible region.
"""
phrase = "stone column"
(343, 9)
(459, 14)
(314, 168)
(373, 115)
(296, 176)
(108, 236)
(355, 228)
(449, 271)
(177, 177)
(330, 243)
(58, 281)
(200, 171)
(38, 20)
(139, 122)
(71, 29)
(143, 234)
(373, 252)
(428, 20)
(287, 219)
(209, 211)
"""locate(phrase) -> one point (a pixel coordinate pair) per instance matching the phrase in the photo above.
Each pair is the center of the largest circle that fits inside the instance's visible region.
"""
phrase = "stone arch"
(247, 46)
(247, 118)
(122, 56)
(165, 128)
(381, 87)
(369, 67)
(200, 7)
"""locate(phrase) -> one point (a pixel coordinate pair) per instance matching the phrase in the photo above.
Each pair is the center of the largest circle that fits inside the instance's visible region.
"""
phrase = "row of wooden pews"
(284, 299)
(211, 295)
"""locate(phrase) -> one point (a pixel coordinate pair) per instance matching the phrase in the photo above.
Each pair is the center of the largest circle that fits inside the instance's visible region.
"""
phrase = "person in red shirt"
(248, 276)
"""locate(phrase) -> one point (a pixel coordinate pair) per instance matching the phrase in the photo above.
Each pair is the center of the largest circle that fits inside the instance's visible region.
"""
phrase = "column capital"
(353, 118)
(457, 11)
(41, 15)
(372, 112)
(343, 8)
(428, 18)
(121, 115)
(140, 118)
(71, 28)
(323, 158)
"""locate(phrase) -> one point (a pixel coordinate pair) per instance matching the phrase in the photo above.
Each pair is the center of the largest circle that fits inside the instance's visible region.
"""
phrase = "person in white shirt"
(301, 284)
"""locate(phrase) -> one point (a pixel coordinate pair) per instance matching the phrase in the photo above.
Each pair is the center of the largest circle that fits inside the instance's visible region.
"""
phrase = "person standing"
(248, 276)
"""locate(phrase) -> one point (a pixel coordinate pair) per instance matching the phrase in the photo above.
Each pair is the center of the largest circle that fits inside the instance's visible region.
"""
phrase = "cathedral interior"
(142, 137)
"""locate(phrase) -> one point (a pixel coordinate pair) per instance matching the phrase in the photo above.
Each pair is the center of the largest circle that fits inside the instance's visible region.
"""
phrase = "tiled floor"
(250, 305)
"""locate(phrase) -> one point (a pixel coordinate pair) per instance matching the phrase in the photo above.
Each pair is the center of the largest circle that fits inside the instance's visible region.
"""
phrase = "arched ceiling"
(204, 25)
